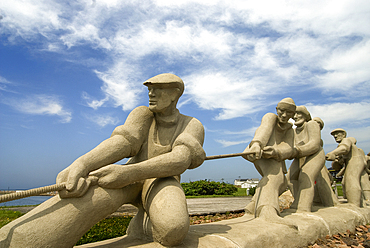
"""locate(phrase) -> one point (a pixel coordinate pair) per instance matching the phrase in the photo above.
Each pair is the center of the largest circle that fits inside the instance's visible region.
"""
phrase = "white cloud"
(41, 105)
(121, 86)
(235, 56)
(103, 120)
(227, 143)
(30, 19)
(347, 68)
(4, 80)
(93, 103)
(337, 114)
(4, 83)
(235, 98)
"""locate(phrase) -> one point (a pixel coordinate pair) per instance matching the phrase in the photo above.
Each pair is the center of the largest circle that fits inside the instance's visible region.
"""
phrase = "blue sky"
(70, 71)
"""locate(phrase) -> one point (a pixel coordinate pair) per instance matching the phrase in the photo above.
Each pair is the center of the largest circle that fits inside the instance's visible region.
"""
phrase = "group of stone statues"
(161, 144)
(308, 178)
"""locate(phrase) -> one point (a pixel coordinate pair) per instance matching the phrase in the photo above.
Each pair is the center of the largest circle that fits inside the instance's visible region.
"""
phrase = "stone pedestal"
(250, 232)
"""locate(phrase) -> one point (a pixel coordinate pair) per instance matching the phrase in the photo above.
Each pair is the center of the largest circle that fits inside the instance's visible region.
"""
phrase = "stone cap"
(287, 103)
(166, 80)
(302, 109)
(338, 130)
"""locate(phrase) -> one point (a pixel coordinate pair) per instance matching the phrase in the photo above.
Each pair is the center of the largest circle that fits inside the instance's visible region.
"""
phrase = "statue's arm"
(125, 141)
(264, 131)
(313, 144)
(343, 148)
(187, 152)
(261, 137)
(285, 149)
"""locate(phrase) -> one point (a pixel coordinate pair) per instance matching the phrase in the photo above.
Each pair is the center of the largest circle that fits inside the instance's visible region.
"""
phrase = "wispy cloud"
(226, 143)
(233, 137)
(41, 105)
(235, 57)
(339, 113)
(103, 120)
(4, 83)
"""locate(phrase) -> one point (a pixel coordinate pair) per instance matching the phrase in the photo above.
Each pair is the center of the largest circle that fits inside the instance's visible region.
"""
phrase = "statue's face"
(299, 119)
(284, 114)
(338, 136)
(161, 98)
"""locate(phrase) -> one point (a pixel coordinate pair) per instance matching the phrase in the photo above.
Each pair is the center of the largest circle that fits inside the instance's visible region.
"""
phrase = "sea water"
(32, 200)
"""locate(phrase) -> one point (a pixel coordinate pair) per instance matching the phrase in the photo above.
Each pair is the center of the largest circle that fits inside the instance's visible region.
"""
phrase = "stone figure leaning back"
(272, 143)
(162, 144)
(354, 164)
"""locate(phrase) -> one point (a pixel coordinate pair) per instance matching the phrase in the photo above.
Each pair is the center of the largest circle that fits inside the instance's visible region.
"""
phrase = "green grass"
(106, 229)
(7, 216)
(240, 192)
(340, 190)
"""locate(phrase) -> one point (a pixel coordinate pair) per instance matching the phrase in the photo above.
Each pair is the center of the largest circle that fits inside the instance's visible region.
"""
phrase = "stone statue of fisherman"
(354, 164)
(308, 163)
(273, 142)
(324, 194)
(162, 144)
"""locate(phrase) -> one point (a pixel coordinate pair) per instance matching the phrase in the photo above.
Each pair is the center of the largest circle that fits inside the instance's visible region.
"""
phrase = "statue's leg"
(352, 180)
(267, 194)
(268, 188)
(61, 222)
(251, 206)
(167, 218)
(323, 190)
(307, 178)
(293, 184)
(365, 185)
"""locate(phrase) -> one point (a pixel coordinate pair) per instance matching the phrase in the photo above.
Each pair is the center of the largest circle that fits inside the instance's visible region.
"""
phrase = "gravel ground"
(360, 238)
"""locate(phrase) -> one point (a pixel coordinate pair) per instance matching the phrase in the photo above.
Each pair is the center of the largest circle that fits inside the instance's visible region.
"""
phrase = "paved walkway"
(201, 206)
(217, 204)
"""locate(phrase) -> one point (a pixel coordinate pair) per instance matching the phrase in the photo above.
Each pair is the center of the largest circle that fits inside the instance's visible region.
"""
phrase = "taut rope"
(31, 192)
(61, 186)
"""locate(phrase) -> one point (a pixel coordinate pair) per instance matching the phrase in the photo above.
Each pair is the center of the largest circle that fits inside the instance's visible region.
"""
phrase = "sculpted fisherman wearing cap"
(354, 164)
(272, 144)
(324, 194)
(162, 144)
(309, 160)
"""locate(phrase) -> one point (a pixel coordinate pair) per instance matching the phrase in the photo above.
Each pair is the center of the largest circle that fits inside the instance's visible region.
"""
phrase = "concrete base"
(250, 232)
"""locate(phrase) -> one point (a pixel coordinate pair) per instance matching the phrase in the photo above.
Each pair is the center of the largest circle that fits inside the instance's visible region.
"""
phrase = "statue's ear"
(175, 94)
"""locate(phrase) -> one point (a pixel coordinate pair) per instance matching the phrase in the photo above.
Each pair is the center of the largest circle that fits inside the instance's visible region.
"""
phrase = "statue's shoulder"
(140, 115)
(142, 111)
(191, 121)
(352, 140)
(312, 124)
(140, 118)
(269, 117)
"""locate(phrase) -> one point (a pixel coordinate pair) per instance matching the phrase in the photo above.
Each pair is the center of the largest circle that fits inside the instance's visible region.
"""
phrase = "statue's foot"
(269, 214)
(250, 208)
(290, 210)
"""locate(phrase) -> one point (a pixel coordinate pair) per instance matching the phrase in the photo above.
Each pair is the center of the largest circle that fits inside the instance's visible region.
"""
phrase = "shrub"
(205, 187)
(252, 191)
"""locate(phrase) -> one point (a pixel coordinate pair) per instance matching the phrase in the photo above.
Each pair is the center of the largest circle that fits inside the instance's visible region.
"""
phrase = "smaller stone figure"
(309, 160)
(324, 194)
(348, 154)
(272, 144)
(365, 182)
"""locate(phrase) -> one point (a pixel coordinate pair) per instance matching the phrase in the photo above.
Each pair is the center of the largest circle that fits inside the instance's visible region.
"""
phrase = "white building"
(246, 183)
